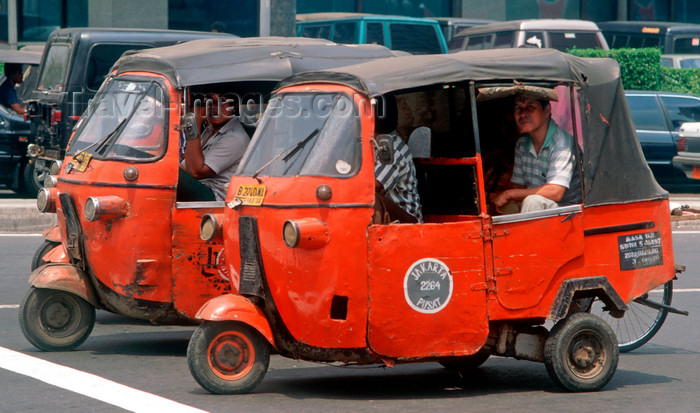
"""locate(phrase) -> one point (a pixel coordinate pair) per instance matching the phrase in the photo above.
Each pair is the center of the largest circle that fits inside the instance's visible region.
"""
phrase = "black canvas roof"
(613, 164)
(209, 61)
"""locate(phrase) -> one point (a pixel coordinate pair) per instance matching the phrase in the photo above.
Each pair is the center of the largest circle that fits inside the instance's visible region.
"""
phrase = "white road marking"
(7, 234)
(89, 385)
(9, 306)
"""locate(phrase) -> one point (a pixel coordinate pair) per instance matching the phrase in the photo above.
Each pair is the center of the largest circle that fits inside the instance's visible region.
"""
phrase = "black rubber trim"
(619, 228)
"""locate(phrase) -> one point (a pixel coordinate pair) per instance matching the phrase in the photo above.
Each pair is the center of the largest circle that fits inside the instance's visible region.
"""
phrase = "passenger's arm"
(17, 107)
(549, 191)
(194, 160)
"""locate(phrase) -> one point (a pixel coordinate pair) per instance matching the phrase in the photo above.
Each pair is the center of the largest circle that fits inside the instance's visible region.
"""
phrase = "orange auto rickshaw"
(313, 278)
(127, 239)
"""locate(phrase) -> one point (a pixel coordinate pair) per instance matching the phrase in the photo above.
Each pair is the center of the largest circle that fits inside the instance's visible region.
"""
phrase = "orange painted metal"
(144, 253)
(64, 277)
(232, 307)
(393, 279)
(52, 234)
(57, 254)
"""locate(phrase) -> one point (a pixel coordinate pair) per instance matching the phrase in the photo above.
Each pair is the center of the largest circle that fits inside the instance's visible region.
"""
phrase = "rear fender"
(64, 277)
(585, 288)
(233, 307)
(52, 234)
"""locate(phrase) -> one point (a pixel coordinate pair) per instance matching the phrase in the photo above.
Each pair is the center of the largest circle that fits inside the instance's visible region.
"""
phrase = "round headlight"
(50, 181)
(290, 233)
(45, 201)
(209, 227)
(55, 168)
(92, 209)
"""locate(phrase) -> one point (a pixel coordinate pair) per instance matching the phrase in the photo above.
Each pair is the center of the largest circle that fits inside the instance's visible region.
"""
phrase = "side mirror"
(188, 126)
(385, 149)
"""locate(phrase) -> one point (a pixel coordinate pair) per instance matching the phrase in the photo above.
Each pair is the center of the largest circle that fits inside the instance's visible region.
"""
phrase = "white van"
(560, 34)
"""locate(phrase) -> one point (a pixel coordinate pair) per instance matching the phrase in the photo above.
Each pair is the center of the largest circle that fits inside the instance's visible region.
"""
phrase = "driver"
(213, 155)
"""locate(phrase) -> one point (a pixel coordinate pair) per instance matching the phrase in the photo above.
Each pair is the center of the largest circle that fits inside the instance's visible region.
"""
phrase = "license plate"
(696, 172)
(251, 194)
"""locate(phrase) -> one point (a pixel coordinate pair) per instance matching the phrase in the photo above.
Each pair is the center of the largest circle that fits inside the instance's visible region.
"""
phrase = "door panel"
(427, 290)
(529, 249)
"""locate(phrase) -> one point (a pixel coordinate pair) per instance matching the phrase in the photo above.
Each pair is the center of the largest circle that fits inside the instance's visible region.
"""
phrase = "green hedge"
(641, 70)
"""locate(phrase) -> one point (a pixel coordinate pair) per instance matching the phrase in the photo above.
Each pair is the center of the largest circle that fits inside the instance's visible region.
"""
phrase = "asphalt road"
(143, 367)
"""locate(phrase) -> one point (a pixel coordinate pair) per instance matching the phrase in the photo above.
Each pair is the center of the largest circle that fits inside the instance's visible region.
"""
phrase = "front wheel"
(227, 357)
(581, 353)
(54, 320)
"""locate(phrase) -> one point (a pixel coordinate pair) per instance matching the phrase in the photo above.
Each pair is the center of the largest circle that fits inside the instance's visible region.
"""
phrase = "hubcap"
(587, 355)
(231, 355)
(56, 315)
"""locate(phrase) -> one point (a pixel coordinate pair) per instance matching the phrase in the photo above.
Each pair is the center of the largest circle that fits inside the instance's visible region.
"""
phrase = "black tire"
(54, 320)
(227, 357)
(33, 179)
(45, 247)
(466, 363)
(640, 323)
(581, 353)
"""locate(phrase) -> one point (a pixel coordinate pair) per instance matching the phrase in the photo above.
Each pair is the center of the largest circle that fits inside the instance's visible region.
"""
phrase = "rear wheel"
(640, 322)
(54, 320)
(44, 248)
(227, 357)
(581, 353)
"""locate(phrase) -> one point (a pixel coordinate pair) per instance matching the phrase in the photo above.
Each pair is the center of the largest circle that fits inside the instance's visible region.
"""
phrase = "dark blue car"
(657, 117)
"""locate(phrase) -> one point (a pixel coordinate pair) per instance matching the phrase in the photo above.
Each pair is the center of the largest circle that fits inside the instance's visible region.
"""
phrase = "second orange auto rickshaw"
(127, 237)
(314, 278)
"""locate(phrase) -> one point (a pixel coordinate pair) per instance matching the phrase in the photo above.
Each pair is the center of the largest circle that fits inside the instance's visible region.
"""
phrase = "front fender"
(234, 307)
(64, 277)
(52, 234)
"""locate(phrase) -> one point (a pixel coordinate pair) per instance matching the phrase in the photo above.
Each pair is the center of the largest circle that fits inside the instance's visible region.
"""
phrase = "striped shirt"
(399, 179)
(555, 164)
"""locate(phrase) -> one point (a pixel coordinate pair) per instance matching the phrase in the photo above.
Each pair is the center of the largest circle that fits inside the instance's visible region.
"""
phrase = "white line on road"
(9, 306)
(88, 384)
(19, 235)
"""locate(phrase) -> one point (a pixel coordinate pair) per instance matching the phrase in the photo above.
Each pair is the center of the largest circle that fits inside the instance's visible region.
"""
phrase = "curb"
(20, 216)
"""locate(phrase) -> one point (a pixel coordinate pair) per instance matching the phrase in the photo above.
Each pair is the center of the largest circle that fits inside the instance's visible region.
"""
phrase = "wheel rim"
(640, 322)
(58, 315)
(231, 355)
(586, 355)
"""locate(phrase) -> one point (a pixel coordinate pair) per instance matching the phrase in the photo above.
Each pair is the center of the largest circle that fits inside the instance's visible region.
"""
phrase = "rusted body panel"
(64, 277)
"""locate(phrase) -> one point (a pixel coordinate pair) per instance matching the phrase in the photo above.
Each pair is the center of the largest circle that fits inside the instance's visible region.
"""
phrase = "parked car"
(560, 34)
(670, 37)
(14, 130)
(681, 61)
(453, 25)
(688, 158)
(73, 66)
(409, 34)
(658, 117)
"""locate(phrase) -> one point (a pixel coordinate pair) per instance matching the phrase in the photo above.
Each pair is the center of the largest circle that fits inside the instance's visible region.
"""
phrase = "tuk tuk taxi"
(127, 239)
(314, 278)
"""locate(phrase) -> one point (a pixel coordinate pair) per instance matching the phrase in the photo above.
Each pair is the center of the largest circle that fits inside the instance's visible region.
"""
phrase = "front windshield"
(306, 135)
(126, 121)
(54, 68)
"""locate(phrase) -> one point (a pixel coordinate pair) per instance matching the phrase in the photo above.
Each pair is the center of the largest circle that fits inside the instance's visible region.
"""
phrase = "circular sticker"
(428, 285)
(343, 167)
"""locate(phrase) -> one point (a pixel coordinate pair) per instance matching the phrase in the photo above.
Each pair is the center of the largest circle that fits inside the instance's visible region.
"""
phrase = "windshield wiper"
(296, 147)
(107, 140)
